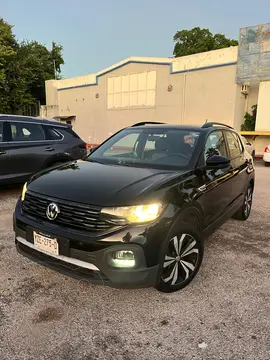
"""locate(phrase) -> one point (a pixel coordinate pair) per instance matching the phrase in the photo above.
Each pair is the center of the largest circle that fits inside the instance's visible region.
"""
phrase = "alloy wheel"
(248, 202)
(180, 260)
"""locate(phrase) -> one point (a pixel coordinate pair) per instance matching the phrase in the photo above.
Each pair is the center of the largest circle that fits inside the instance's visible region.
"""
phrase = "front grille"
(72, 215)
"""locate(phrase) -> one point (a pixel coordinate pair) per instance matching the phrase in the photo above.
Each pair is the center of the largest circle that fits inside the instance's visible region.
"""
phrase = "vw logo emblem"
(52, 211)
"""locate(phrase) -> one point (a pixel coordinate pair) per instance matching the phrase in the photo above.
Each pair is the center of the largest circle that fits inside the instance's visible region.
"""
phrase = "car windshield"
(158, 148)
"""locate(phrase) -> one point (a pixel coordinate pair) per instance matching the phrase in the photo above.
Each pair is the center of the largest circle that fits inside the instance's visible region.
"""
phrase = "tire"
(175, 274)
(266, 163)
(243, 212)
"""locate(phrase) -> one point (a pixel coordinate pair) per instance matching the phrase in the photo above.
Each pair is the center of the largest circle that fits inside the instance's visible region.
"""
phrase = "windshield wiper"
(123, 163)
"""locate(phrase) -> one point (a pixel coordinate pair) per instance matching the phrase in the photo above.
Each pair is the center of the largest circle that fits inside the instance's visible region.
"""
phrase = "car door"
(215, 188)
(239, 164)
(3, 152)
(26, 148)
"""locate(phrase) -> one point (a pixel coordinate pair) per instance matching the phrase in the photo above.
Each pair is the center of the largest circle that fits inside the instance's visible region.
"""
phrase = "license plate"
(46, 244)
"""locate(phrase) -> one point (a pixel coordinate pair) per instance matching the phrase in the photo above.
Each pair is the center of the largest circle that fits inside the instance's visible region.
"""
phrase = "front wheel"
(181, 260)
(245, 209)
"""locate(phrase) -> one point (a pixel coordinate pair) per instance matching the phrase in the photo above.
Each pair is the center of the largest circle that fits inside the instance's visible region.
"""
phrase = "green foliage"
(250, 120)
(24, 68)
(199, 40)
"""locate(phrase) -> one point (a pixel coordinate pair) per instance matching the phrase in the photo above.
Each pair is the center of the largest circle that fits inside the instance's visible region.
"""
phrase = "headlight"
(24, 191)
(134, 214)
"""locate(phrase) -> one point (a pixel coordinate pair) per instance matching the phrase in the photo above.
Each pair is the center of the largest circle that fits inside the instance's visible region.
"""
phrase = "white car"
(266, 156)
(249, 146)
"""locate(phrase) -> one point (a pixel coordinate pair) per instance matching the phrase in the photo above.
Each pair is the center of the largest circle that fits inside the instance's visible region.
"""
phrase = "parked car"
(29, 145)
(266, 156)
(135, 213)
(249, 146)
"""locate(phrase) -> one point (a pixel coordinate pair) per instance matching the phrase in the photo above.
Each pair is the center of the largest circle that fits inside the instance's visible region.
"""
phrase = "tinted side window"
(52, 134)
(1, 131)
(215, 145)
(26, 132)
(67, 132)
(234, 145)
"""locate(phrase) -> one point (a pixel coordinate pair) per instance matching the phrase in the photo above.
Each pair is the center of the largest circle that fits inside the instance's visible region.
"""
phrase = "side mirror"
(217, 161)
(91, 150)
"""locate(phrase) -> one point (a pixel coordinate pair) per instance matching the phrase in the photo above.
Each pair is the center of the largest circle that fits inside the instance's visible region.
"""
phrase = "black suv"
(136, 211)
(28, 145)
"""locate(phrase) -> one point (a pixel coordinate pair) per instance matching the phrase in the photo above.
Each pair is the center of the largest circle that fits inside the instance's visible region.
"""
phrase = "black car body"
(136, 212)
(29, 145)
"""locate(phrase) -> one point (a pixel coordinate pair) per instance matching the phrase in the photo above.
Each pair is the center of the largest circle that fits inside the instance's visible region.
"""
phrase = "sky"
(97, 34)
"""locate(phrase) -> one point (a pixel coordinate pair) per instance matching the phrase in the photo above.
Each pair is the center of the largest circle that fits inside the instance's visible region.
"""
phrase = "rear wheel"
(244, 211)
(266, 163)
(182, 259)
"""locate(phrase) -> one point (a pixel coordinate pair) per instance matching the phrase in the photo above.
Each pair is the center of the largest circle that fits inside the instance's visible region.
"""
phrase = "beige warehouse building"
(210, 86)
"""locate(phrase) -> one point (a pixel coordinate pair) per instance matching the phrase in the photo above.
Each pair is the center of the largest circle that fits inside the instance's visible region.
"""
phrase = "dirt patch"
(2, 316)
(48, 314)
(30, 289)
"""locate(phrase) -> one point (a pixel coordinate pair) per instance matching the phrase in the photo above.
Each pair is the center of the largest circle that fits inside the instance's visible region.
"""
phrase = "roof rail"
(146, 123)
(211, 124)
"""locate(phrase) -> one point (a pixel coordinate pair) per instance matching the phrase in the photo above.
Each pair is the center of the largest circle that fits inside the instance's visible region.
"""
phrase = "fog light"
(123, 259)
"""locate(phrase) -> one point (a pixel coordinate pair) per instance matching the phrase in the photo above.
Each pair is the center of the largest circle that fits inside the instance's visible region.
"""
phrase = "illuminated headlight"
(24, 191)
(134, 214)
(123, 259)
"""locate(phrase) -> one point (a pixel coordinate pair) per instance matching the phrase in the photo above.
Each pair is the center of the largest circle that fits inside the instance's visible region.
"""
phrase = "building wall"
(263, 112)
(210, 95)
(206, 59)
(252, 98)
(239, 109)
(202, 87)
(196, 96)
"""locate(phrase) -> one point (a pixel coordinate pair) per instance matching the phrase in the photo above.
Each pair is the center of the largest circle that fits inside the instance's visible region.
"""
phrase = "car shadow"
(10, 191)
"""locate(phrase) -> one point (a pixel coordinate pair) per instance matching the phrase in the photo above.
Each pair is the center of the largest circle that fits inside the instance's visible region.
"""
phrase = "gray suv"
(29, 145)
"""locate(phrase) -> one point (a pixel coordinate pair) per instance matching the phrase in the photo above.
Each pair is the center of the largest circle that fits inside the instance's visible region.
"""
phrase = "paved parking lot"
(223, 314)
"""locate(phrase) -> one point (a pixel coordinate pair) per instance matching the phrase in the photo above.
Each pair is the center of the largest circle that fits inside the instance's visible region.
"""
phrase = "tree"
(197, 40)
(37, 64)
(250, 120)
(8, 48)
(24, 68)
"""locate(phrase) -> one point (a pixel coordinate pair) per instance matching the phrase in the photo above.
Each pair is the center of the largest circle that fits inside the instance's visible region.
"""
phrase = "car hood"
(99, 184)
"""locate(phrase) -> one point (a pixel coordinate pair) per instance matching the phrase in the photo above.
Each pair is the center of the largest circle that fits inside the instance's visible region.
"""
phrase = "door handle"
(49, 149)
(2, 152)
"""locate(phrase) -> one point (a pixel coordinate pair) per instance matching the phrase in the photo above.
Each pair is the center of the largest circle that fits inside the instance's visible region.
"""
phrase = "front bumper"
(78, 261)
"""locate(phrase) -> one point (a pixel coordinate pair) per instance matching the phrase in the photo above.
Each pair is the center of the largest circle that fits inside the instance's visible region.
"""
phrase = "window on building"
(131, 90)
(27, 132)
(215, 145)
(234, 144)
